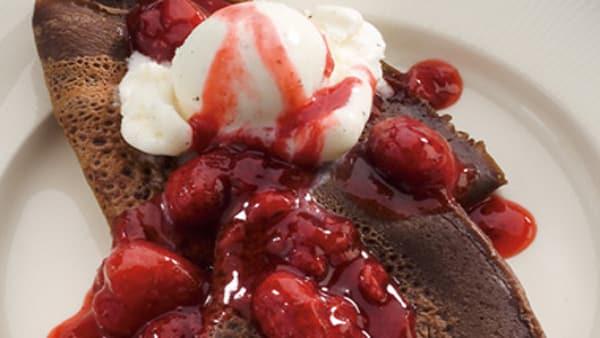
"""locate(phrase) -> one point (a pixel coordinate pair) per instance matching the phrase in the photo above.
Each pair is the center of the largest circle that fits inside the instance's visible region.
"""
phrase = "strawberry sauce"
(266, 224)
(435, 81)
(510, 227)
(136, 283)
(285, 231)
(368, 187)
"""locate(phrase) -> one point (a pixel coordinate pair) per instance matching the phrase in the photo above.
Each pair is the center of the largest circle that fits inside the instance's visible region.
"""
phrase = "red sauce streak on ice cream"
(273, 53)
(219, 96)
(307, 125)
(329, 62)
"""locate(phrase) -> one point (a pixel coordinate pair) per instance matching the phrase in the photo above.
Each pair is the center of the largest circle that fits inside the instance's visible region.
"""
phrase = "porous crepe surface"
(83, 52)
(234, 327)
(82, 47)
(446, 268)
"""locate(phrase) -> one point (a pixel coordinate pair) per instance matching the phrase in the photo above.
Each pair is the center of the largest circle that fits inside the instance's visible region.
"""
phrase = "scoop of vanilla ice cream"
(150, 121)
(258, 97)
(353, 41)
(158, 99)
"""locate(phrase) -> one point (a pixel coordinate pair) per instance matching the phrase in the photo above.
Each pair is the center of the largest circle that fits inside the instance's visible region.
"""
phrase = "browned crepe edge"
(469, 152)
(453, 241)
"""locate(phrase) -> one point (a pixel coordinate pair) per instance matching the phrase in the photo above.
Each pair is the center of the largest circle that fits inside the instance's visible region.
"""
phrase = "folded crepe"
(444, 265)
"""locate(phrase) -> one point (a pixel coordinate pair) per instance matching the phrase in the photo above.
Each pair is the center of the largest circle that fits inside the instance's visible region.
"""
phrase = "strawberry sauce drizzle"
(307, 125)
(329, 62)
(362, 182)
(220, 95)
(273, 53)
(510, 227)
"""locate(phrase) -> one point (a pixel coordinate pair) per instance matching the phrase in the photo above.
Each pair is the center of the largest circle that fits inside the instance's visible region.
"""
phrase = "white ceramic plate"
(531, 88)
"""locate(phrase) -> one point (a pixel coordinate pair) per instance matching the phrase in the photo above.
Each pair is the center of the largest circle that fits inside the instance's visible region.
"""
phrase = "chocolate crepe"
(446, 267)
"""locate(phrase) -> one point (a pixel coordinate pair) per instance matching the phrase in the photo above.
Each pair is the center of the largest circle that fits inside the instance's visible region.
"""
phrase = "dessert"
(252, 232)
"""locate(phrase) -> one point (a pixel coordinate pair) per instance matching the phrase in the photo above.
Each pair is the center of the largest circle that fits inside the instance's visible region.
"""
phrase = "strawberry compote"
(412, 155)
(272, 239)
(136, 283)
(281, 231)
